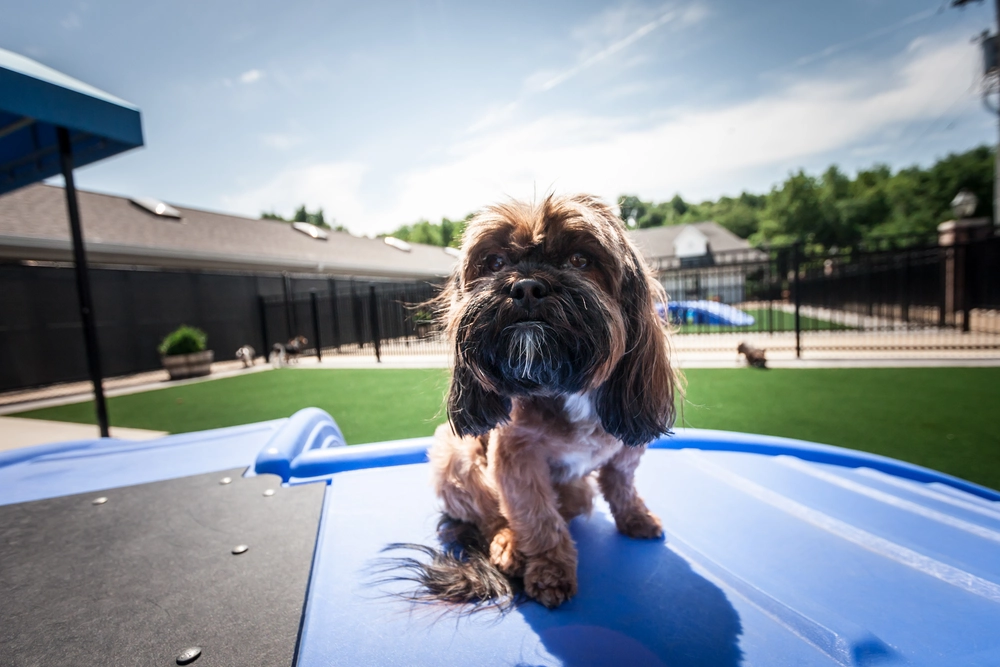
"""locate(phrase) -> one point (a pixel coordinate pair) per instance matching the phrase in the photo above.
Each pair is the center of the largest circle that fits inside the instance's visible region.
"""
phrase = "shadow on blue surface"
(639, 604)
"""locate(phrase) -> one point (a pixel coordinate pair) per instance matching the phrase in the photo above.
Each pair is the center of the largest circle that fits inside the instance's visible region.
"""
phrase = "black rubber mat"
(151, 571)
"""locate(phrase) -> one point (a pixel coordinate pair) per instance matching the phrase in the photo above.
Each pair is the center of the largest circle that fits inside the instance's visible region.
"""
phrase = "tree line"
(834, 209)
(828, 210)
(303, 215)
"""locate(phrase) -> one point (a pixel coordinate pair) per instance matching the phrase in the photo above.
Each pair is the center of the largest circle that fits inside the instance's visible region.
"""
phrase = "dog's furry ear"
(472, 409)
(636, 403)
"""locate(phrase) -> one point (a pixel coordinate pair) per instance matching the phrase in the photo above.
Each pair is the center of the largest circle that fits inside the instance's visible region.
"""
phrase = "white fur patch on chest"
(587, 448)
(579, 408)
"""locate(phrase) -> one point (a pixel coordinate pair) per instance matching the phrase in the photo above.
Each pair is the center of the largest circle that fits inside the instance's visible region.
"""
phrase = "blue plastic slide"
(254, 545)
(704, 312)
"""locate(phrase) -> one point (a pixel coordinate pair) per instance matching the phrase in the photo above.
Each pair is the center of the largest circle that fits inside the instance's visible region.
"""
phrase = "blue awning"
(35, 100)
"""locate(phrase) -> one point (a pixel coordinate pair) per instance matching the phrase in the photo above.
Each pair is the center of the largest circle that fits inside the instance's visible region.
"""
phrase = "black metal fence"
(41, 340)
(355, 318)
(918, 297)
(913, 297)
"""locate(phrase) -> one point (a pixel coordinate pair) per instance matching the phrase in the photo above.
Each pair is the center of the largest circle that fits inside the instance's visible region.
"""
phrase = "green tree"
(447, 233)
(678, 205)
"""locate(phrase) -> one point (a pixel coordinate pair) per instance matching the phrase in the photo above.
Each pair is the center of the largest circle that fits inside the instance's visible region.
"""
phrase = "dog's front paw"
(504, 554)
(641, 524)
(549, 580)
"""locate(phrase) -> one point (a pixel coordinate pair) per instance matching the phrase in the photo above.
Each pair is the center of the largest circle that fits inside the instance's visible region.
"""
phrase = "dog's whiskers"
(527, 349)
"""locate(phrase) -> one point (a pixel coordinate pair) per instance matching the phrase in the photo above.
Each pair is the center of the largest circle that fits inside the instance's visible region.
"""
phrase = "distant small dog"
(247, 355)
(560, 370)
(284, 354)
(294, 347)
(755, 357)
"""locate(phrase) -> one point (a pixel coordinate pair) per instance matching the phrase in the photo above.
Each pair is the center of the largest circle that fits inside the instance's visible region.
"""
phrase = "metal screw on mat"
(240, 548)
(188, 655)
(225, 480)
(269, 493)
(99, 501)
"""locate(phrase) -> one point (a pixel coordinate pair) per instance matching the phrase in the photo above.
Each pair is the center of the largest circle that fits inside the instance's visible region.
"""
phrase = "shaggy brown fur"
(560, 378)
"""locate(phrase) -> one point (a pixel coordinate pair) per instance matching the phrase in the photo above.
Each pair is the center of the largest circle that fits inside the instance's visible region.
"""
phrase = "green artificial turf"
(369, 405)
(942, 418)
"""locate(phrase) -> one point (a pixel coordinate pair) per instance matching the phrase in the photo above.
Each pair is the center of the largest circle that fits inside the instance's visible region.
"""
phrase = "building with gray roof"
(696, 244)
(142, 232)
(680, 254)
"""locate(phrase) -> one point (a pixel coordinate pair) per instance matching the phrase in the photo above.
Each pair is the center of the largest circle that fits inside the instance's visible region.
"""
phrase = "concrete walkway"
(18, 432)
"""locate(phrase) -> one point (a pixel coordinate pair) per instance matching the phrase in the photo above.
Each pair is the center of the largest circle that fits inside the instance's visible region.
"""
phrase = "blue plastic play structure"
(777, 552)
(704, 312)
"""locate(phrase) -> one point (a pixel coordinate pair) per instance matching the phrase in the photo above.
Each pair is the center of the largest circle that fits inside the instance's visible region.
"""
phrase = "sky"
(384, 113)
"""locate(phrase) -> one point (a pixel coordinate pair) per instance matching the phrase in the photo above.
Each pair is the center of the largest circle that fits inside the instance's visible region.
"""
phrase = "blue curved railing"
(305, 449)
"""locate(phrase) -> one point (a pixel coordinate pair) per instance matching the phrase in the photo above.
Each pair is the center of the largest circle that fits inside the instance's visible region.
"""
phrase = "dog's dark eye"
(579, 261)
(494, 263)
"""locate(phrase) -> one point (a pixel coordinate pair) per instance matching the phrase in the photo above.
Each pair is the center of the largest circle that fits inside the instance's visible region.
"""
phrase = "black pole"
(798, 301)
(263, 325)
(315, 315)
(286, 285)
(375, 332)
(334, 314)
(357, 310)
(964, 290)
(83, 281)
(905, 306)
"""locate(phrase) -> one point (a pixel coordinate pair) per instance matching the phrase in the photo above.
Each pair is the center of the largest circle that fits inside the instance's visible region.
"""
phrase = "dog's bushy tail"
(459, 572)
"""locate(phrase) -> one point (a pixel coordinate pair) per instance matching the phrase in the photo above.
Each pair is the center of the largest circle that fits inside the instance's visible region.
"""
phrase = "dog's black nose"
(526, 292)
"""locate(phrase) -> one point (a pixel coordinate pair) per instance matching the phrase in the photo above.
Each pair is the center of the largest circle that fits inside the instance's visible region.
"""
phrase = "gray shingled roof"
(33, 225)
(658, 242)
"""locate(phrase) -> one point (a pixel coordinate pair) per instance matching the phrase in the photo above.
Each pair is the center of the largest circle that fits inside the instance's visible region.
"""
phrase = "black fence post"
(796, 289)
(905, 296)
(334, 314)
(262, 307)
(314, 306)
(962, 274)
(944, 257)
(868, 284)
(357, 310)
(373, 302)
(286, 284)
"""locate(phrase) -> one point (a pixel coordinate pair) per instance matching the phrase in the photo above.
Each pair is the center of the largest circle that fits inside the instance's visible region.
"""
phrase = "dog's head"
(552, 299)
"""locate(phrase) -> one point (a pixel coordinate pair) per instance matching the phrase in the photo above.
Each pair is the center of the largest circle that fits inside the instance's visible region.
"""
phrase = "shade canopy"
(35, 100)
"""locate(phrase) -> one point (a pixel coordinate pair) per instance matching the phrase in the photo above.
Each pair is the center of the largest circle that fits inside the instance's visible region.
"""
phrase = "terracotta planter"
(424, 329)
(182, 366)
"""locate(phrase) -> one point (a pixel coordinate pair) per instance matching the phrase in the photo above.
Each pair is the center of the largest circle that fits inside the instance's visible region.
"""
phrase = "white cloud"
(280, 141)
(332, 186)
(701, 152)
(251, 76)
(634, 36)
(72, 21)
(603, 37)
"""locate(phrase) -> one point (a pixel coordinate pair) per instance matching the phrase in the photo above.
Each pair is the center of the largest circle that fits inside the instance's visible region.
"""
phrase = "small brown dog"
(560, 370)
(754, 356)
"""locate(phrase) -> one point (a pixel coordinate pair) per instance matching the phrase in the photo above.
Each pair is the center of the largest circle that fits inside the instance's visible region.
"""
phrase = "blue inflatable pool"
(254, 545)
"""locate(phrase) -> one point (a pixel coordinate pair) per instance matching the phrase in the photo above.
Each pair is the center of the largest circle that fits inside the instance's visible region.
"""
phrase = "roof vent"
(397, 243)
(310, 230)
(156, 207)
(454, 252)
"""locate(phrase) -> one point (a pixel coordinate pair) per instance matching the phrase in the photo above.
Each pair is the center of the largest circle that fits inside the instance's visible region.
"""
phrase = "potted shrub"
(184, 355)
(423, 322)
